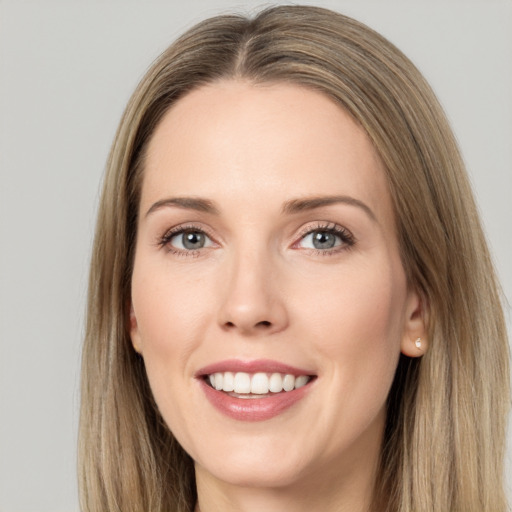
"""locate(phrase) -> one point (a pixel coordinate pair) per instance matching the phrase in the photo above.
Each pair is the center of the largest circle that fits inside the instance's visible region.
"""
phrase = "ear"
(414, 338)
(134, 331)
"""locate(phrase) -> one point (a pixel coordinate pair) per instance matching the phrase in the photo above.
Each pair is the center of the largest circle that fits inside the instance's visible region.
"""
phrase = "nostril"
(264, 324)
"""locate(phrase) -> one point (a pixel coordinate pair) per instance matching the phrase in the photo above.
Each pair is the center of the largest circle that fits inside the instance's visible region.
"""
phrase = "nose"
(253, 303)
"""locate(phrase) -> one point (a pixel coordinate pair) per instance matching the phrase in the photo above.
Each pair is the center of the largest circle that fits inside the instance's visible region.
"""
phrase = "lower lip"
(253, 409)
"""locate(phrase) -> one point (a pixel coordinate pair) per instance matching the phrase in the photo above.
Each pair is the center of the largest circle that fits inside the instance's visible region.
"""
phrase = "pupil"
(193, 240)
(323, 240)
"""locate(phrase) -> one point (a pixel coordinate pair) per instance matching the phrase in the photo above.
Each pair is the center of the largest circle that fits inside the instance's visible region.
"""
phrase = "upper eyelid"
(164, 239)
(321, 225)
(179, 228)
(330, 226)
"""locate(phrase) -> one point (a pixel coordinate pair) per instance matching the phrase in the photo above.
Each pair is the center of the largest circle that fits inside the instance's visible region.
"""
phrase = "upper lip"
(255, 366)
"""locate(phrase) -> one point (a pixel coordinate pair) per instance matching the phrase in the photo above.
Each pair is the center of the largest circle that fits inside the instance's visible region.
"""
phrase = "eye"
(183, 240)
(190, 240)
(326, 238)
(320, 240)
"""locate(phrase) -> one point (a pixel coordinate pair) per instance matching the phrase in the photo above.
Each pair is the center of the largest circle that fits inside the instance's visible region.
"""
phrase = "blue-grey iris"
(193, 240)
(323, 240)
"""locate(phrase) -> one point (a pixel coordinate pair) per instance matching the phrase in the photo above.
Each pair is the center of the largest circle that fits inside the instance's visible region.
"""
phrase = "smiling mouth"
(255, 385)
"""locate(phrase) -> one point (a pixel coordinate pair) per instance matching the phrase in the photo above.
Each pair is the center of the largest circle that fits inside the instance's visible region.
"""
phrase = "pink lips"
(261, 365)
(252, 409)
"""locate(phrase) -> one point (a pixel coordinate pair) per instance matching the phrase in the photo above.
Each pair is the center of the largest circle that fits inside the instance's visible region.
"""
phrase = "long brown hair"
(445, 434)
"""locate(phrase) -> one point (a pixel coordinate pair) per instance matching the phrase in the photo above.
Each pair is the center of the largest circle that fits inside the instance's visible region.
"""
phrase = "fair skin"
(236, 269)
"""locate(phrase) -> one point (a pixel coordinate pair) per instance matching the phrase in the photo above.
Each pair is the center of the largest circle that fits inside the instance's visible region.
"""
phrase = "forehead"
(234, 139)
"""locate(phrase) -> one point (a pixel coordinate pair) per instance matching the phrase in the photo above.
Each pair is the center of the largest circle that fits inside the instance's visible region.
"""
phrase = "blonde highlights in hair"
(445, 434)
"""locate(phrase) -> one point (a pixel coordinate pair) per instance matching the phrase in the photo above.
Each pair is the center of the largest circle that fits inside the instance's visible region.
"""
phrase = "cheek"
(171, 318)
(168, 307)
(358, 325)
(362, 307)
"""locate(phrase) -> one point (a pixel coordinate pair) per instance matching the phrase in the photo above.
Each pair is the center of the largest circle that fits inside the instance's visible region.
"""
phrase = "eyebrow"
(187, 203)
(310, 203)
(290, 207)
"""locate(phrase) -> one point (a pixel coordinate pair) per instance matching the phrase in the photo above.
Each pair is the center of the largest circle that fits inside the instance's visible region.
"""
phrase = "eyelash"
(347, 238)
(165, 240)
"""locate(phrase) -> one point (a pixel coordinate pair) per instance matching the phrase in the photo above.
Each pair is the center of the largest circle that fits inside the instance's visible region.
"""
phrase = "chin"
(249, 474)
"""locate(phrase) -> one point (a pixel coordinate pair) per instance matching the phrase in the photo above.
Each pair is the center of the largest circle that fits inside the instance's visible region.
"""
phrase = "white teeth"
(276, 383)
(242, 383)
(288, 382)
(257, 384)
(219, 377)
(229, 382)
(301, 381)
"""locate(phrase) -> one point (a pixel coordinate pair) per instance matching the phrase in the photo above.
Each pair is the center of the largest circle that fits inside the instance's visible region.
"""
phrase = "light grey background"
(66, 72)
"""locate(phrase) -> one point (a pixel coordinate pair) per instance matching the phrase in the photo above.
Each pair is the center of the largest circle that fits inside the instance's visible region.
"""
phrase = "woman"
(291, 301)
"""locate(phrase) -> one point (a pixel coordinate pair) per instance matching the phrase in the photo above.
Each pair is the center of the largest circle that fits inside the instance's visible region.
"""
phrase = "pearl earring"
(418, 343)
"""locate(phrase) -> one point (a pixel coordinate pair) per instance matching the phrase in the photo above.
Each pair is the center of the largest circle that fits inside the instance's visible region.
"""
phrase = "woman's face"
(267, 256)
